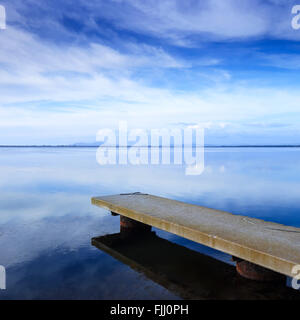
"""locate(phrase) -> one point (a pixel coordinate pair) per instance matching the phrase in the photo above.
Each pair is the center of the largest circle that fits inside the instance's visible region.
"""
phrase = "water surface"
(47, 221)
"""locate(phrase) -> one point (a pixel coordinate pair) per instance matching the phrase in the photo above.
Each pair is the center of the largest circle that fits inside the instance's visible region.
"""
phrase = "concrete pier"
(266, 244)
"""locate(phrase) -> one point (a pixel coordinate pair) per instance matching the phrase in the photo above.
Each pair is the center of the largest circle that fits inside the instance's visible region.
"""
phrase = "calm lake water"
(47, 221)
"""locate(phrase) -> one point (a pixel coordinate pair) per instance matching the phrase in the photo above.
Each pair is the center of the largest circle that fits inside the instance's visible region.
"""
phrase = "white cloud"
(178, 21)
(43, 71)
(54, 93)
(284, 61)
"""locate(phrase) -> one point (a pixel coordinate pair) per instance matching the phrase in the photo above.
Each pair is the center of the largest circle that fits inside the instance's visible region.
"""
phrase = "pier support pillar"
(252, 271)
(132, 227)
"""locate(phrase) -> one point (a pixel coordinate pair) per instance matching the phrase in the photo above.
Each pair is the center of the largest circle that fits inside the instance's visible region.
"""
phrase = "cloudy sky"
(69, 68)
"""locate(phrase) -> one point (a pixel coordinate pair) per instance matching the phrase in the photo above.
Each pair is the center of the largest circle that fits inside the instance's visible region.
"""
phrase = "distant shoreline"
(93, 146)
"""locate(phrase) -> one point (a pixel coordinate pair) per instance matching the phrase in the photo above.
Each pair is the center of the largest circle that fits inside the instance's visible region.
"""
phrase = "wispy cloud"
(177, 21)
(68, 69)
(284, 61)
(181, 22)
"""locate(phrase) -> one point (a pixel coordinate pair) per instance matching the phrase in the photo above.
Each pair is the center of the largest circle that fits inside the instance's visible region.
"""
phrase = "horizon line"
(149, 146)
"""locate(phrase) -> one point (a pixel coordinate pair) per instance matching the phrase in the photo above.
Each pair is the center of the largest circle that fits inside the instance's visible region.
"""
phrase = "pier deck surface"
(271, 245)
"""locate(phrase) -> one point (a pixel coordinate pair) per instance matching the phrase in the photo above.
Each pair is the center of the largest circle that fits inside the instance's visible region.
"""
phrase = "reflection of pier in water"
(185, 272)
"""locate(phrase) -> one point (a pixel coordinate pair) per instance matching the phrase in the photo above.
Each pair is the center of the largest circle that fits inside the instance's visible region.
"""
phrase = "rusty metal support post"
(133, 227)
(252, 271)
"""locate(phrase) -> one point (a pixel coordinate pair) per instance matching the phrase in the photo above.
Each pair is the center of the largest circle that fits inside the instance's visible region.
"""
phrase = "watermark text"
(2, 278)
(296, 19)
(2, 17)
(296, 278)
(155, 146)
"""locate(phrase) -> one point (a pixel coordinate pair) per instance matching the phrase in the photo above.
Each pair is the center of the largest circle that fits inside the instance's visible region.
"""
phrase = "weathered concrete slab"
(267, 244)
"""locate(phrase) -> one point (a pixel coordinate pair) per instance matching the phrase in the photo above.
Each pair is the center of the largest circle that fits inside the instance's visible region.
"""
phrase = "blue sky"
(69, 68)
